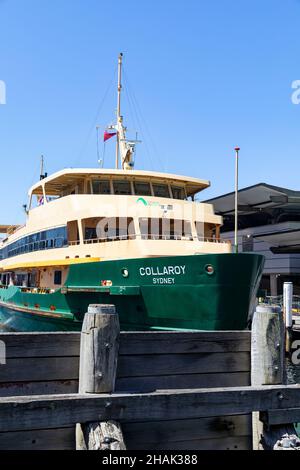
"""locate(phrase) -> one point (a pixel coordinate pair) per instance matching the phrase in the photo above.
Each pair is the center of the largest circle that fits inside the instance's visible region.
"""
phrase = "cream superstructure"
(68, 199)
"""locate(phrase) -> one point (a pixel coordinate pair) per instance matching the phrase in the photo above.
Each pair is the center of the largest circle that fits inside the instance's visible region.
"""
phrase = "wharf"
(146, 390)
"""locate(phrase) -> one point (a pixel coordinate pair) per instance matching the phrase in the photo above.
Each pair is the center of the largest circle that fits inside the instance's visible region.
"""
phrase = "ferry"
(140, 240)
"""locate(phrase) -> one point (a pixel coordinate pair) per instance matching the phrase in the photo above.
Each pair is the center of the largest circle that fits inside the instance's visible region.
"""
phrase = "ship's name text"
(165, 271)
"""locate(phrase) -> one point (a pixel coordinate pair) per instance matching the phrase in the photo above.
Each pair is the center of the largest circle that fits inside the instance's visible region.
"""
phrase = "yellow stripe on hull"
(49, 263)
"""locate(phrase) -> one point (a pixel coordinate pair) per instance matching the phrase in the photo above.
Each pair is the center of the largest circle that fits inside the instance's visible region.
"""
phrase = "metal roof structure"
(256, 198)
(265, 205)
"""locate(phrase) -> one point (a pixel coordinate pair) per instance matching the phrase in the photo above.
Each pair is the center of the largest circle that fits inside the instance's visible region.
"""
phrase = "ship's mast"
(124, 148)
(42, 163)
(119, 117)
(42, 167)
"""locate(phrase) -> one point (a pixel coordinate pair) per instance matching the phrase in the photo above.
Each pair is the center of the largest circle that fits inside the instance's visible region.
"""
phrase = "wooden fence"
(48, 363)
(153, 390)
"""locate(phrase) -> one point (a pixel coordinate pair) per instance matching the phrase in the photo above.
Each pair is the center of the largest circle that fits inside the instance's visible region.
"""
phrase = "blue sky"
(207, 76)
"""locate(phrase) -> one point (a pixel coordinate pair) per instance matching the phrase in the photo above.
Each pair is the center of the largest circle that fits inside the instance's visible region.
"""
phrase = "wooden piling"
(267, 368)
(99, 346)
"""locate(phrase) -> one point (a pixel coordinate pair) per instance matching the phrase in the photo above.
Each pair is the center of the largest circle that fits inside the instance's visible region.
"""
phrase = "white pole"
(236, 199)
(288, 303)
(119, 106)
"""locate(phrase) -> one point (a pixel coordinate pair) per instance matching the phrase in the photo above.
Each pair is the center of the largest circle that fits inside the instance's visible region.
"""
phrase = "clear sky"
(207, 75)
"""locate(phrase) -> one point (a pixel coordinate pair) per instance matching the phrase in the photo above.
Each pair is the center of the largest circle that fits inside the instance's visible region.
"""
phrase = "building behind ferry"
(269, 224)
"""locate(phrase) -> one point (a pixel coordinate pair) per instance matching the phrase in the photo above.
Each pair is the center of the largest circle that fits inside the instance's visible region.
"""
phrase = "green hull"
(175, 292)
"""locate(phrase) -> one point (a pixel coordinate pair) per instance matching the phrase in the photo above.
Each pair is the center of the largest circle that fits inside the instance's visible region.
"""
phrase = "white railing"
(154, 237)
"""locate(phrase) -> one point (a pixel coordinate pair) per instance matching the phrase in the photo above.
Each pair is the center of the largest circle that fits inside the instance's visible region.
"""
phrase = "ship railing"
(74, 242)
(109, 239)
(151, 236)
(36, 290)
(31, 290)
(278, 300)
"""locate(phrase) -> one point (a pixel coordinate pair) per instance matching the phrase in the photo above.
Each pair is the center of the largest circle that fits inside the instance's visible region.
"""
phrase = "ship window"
(178, 193)
(50, 243)
(142, 189)
(165, 229)
(58, 242)
(52, 238)
(37, 199)
(57, 278)
(107, 229)
(101, 187)
(122, 187)
(161, 190)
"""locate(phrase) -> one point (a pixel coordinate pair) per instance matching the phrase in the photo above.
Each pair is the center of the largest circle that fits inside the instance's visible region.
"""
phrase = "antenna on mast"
(42, 174)
(125, 148)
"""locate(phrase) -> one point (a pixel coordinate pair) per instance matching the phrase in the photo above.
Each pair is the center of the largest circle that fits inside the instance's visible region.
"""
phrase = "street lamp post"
(237, 149)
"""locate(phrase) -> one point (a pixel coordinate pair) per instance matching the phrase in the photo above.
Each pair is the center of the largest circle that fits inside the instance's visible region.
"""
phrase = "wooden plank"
(32, 369)
(64, 439)
(54, 411)
(136, 343)
(228, 443)
(284, 416)
(138, 384)
(176, 364)
(39, 439)
(157, 432)
(184, 381)
(55, 368)
(62, 344)
(41, 344)
(38, 388)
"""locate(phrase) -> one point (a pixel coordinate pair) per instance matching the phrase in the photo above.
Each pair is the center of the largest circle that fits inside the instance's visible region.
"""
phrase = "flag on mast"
(108, 135)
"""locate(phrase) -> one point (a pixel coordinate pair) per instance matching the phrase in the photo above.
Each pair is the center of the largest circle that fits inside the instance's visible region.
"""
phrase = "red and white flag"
(108, 135)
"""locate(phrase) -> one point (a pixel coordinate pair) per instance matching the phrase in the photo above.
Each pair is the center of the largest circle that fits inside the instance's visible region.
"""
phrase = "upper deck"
(116, 182)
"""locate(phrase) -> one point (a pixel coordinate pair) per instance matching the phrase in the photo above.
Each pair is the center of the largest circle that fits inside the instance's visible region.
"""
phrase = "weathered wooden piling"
(99, 346)
(268, 368)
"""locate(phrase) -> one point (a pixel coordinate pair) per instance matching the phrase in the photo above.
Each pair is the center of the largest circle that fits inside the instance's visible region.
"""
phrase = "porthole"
(125, 272)
(209, 269)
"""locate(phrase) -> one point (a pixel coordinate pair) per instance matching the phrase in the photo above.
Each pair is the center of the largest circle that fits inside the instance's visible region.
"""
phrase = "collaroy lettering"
(162, 271)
